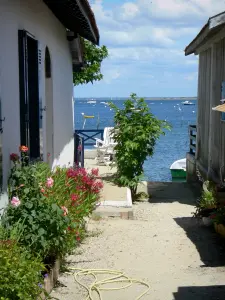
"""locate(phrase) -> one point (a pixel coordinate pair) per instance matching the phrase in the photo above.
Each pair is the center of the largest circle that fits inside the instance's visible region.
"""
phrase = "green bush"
(20, 273)
(40, 227)
(136, 132)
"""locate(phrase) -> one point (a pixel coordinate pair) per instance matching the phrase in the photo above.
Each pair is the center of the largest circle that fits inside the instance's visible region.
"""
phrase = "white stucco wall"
(35, 17)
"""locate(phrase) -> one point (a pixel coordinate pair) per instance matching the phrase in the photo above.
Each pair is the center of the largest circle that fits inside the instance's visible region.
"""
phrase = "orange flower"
(23, 148)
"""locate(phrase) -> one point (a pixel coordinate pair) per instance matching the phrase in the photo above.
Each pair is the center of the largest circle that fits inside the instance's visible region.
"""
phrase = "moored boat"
(187, 103)
(178, 169)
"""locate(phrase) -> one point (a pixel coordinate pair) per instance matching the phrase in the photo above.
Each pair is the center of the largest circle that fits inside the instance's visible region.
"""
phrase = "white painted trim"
(129, 197)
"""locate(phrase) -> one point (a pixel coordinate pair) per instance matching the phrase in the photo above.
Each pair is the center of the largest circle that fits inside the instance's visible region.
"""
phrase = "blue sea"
(169, 148)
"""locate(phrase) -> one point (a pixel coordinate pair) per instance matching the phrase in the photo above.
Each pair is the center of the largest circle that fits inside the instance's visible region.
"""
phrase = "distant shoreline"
(146, 98)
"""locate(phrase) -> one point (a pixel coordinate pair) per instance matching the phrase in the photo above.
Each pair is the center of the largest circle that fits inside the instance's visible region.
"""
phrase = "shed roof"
(77, 16)
(212, 27)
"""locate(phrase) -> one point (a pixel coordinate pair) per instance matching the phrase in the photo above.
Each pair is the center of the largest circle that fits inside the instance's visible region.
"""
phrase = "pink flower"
(95, 172)
(42, 190)
(65, 210)
(49, 182)
(15, 201)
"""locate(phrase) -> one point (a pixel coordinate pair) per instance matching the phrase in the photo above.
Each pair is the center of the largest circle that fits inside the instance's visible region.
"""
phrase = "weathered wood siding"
(211, 130)
(203, 107)
(218, 126)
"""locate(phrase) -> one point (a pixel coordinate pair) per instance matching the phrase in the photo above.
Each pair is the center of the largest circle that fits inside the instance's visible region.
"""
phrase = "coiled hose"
(98, 285)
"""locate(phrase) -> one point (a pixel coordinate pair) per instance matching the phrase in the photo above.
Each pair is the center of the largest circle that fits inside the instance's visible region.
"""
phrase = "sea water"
(169, 148)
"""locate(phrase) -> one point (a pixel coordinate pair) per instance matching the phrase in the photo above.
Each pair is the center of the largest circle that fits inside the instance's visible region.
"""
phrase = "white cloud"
(110, 75)
(146, 41)
(191, 76)
(178, 9)
(129, 11)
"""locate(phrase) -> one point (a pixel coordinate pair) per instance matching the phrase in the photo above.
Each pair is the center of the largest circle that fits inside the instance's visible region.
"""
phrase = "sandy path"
(163, 245)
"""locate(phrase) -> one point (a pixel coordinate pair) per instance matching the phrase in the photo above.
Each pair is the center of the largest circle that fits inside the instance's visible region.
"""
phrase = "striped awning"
(220, 108)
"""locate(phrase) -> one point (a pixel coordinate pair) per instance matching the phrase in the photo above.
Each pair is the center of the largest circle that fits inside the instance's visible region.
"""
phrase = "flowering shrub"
(40, 225)
(46, 210)
(20, 273)
(75, 189)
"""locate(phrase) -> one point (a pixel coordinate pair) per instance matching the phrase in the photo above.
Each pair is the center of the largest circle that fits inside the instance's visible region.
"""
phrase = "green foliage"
(93, 57)
(208, 198)
(207, 203)
(44, 221)
(136, 132)
(22, 182)
(20, 273)
(39, 227)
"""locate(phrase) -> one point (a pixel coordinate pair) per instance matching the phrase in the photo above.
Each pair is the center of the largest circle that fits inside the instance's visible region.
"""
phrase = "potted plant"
(218, 219)
(207, 204)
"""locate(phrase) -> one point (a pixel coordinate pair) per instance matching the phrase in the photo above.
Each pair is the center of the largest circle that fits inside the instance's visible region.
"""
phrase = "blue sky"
(146, 41)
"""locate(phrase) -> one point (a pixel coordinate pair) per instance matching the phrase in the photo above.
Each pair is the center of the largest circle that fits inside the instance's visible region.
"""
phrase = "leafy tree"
(93, 57)
(136, 132)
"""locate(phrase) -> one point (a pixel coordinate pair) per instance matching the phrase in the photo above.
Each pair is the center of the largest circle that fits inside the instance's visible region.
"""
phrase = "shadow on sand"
(215, 292)
(168, 192)
(209, 245)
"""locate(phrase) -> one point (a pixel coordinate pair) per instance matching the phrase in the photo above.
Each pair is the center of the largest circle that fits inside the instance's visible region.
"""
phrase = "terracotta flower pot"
(220, 229)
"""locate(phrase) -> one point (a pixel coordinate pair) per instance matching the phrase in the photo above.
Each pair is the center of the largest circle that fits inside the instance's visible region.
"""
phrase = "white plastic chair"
(105, 147)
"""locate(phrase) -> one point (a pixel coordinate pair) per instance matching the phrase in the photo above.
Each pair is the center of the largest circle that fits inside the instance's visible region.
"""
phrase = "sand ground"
(163, 245)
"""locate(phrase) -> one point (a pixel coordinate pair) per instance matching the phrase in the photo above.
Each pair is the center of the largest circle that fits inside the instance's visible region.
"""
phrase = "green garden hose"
(97, 285)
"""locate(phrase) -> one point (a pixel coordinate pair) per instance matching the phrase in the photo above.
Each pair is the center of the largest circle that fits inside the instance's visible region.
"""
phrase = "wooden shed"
(209, 44)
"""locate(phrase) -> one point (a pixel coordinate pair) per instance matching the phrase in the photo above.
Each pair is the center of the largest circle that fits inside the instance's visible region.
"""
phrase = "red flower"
(14, 157)
(74, 197)
(95, 172)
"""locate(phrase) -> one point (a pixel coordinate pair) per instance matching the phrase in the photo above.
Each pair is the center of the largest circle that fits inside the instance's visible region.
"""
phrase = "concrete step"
(113, 212)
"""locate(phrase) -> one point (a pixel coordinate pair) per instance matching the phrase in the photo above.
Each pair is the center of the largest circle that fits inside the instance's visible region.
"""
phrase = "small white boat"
(91, 102)
(187, 103)
(178, 168)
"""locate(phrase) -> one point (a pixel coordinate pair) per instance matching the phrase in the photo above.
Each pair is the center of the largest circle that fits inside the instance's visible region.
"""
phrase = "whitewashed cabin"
(39, 50)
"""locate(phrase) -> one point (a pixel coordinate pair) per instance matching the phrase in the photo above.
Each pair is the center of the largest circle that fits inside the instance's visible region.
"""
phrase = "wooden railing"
(192, 136)
(89, 135)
